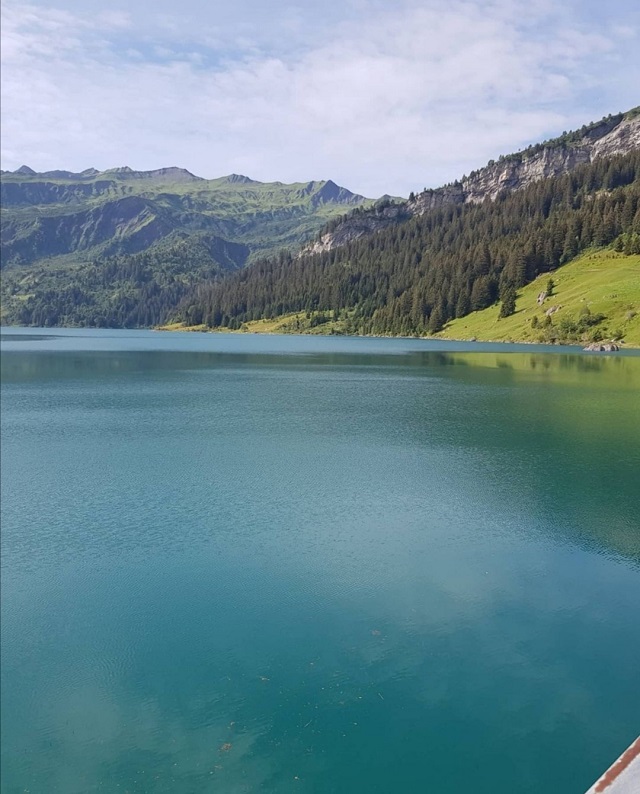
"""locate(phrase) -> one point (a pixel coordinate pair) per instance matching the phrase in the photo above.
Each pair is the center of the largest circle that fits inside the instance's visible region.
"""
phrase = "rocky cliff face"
(604, 140)
(360, 224)
(616, 135)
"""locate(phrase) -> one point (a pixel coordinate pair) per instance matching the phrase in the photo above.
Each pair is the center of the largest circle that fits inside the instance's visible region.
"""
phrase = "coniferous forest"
(414, 276)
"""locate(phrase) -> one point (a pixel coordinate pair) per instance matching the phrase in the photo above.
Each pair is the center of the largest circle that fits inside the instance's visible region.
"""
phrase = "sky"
(381, 97)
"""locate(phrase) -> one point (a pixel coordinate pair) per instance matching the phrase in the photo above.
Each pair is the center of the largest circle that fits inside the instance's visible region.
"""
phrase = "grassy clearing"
(181, 327)
(286, 324)
(606, 282)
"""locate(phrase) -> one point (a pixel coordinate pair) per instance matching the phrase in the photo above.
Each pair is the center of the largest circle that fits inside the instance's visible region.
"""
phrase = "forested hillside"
(125, 291)
(412, 277)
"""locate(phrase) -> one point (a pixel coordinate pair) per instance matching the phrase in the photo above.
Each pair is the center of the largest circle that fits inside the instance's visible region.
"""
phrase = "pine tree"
(508, 306)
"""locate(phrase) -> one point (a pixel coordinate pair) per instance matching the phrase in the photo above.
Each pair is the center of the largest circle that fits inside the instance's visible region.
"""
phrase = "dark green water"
(241, 563)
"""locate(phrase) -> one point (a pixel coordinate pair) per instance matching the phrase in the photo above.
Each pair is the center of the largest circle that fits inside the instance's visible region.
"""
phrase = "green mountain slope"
(602, 286)
(73, 218)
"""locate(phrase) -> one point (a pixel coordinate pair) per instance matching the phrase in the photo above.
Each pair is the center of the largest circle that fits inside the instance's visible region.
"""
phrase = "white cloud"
(385, 98)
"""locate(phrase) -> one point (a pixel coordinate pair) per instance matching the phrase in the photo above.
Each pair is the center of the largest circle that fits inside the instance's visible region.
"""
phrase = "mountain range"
(76, 217)
(135, 248)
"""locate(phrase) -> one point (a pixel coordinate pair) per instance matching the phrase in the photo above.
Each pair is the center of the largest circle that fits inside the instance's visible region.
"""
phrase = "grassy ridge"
(606, 282)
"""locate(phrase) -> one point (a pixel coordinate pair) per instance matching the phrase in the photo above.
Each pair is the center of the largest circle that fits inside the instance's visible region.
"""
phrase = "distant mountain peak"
(24, 169)
(173, 171)
(329, 191)
(238, 179)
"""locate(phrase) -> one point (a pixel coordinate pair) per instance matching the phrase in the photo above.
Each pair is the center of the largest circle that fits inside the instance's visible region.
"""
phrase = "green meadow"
(604, 282)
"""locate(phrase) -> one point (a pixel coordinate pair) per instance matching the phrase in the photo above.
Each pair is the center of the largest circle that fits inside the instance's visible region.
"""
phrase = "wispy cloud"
(380, 97)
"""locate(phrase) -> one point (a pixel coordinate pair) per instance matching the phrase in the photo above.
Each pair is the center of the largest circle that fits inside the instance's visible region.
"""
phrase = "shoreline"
(435, 338)
(575, 346)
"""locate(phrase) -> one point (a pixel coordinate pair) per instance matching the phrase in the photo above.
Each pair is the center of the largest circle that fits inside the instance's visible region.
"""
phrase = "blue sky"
(382, 97)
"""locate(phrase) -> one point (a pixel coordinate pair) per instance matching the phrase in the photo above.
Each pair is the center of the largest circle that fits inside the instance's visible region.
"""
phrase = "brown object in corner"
(614, 771)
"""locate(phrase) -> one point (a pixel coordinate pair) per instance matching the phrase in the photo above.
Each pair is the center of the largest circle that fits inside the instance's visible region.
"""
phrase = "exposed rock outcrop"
(602, 347)
(513, 173)
(359, 225)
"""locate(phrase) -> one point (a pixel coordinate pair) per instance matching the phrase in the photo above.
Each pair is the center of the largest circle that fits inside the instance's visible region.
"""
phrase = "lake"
(240, 563)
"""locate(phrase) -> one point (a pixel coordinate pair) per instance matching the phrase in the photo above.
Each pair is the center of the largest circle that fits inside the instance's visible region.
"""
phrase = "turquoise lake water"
(236, 563)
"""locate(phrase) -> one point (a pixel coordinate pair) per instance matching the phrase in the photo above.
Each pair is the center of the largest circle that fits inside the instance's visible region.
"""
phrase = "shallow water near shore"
(236, 563)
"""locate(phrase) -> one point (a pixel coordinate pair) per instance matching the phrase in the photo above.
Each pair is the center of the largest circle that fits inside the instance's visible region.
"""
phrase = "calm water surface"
(246, 563)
